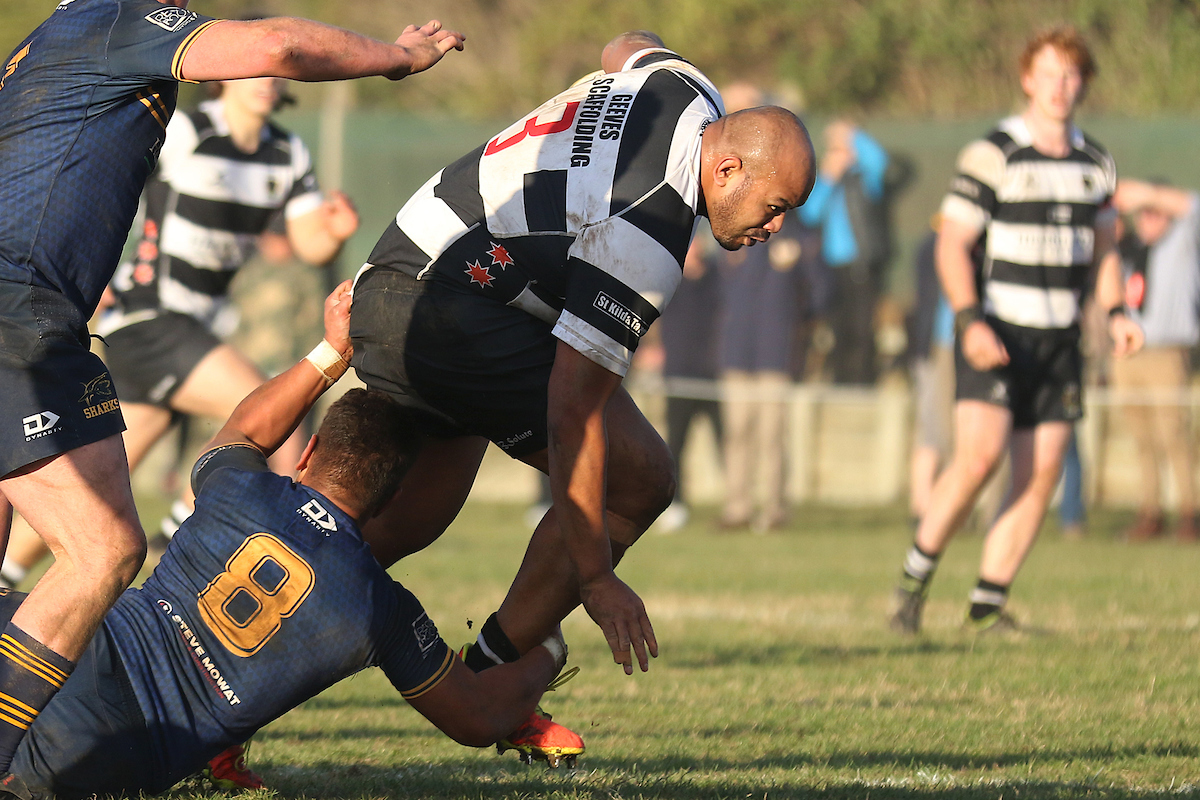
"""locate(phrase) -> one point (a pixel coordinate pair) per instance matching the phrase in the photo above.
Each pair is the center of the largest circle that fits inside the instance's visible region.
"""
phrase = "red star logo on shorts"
(478, 274)
(500, 256)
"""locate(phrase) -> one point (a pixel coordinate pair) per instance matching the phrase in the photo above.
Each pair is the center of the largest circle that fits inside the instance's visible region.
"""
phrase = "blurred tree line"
(902, 58)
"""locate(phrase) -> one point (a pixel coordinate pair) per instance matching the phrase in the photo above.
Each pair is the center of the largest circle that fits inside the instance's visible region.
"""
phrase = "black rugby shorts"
(150, 360)
(1041, 382)
(471, 365)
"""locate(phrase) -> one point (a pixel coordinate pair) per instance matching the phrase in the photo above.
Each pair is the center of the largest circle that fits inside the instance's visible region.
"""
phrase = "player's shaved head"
(623, 45)
(769, 140)
(756, 165)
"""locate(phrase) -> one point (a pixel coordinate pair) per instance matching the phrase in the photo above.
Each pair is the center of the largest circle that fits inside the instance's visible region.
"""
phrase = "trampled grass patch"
(779, 678)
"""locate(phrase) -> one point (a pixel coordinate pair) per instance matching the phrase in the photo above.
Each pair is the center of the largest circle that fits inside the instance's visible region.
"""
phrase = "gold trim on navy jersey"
(182, 51)
(433, 680)
(152, 101)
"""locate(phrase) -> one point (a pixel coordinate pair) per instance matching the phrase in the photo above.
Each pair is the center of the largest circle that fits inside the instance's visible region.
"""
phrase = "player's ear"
(306, 456)
(727, 169)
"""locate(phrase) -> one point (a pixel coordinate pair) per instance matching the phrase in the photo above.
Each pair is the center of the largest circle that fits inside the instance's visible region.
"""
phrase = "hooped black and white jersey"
(204, 209)
(589, 202)
(1040, 215)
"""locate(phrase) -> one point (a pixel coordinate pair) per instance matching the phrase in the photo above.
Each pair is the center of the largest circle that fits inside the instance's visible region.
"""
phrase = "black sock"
(492, 647)
(919, 567)
(987, 598)
(30, 674)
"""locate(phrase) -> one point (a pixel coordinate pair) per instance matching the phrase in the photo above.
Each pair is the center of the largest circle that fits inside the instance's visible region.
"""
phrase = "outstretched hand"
(622, 617)
(337, 318)
(425, 46)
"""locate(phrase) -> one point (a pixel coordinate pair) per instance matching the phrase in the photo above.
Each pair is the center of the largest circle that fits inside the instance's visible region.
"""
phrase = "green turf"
(778, 677)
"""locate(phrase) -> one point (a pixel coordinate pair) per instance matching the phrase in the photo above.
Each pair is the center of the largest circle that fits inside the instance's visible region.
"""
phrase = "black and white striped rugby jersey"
(1039, 214)
(588, 202)
(204, 209)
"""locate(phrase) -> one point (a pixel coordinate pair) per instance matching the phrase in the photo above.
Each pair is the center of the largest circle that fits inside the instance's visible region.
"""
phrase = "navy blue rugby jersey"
(266, 596)
(84, 104)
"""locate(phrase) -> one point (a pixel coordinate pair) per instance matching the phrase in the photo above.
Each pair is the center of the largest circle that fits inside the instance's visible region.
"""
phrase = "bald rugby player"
(506, 299)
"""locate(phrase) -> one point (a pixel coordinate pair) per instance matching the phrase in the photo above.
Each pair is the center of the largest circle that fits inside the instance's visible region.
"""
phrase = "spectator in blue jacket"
(848, 205)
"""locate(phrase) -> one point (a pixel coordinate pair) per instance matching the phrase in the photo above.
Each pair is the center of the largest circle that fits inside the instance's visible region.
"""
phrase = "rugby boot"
(12, 786)
(228, 772)
(910, 602)
(542, 739)
(999, 621)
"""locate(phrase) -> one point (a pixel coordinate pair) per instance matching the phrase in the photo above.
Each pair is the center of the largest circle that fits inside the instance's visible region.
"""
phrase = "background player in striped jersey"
(224, 170)
(1040, 191)
(84, 102)
(267, 596)
(506, 300)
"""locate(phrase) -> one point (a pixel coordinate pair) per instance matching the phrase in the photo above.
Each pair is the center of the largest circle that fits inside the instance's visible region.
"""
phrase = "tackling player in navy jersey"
(84, 102)
(506, 300)
(266, 596)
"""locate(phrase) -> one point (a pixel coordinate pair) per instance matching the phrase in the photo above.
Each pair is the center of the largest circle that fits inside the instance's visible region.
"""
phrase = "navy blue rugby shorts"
(55, 394)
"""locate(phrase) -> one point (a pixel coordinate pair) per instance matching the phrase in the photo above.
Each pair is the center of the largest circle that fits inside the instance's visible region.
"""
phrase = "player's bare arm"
(289, 47)
(579, 391)
(317, 237)
(980, 344)
(272, 411)
(1127, 335)
(478, 709)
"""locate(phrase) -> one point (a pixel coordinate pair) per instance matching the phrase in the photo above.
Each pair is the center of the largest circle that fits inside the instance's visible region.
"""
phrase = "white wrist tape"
(329, 361)
(557, 649)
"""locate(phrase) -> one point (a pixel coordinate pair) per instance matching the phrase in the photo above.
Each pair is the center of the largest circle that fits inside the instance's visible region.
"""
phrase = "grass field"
(778, 677)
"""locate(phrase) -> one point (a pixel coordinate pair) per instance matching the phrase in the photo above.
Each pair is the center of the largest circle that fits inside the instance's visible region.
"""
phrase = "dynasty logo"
(318, 516)
(39, 425)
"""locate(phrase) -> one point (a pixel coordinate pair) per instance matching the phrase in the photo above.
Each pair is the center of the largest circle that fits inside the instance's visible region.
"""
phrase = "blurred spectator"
(763, 292)
(931, 348)
(761, 296)
(1161, 265)
(689, 340)
(847, 204)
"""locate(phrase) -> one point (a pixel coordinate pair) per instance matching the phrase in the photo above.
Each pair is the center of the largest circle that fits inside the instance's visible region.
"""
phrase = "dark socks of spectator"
(491, 647)
(987, 598)
(919, 567)
(30, 674)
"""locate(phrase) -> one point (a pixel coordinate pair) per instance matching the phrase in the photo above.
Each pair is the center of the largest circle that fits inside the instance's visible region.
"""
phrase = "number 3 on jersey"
(533, 128)
(264, 583)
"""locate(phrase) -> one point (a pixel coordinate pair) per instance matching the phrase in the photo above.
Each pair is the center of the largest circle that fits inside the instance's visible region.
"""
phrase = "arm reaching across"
(304, 50)
(478, 709)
